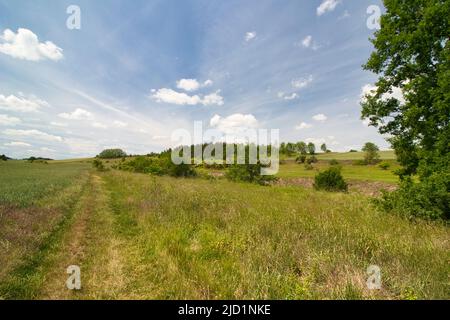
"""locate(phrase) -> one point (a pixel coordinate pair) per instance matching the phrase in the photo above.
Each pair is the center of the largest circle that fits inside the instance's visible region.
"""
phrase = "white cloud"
(119, 124)
(45, 149)
(302, 82)
(233, 123)
(99, 125)
(58, 124)
(303, 125)
(326, 6)
(9, 121)
(32, 133)
(21, 104)
(250, 36)
(188, 84)
(366, 122)
(213, 99)
(78, 114)
(371, 90)
(320, 117)
(171, 96)
(17, 144)
(192, 84)
(291, 97)
(25, 45)
(307, 42)
(329, 140)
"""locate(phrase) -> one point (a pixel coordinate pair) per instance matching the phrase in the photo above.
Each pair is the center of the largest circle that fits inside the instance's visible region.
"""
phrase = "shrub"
(330, 180)
(359, 163)
(112, 154)
(142, 164)
(384, 165)
(308, 166)
(98, 164)
(301, 159)
(311, 159)
(3, 158)
(429, 199)
(334, 162)
(248, 173)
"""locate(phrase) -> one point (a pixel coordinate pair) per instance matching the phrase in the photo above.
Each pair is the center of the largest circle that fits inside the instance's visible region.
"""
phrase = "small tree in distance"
(371, 154)
(311, 148)
(112, 154)
(323, 147)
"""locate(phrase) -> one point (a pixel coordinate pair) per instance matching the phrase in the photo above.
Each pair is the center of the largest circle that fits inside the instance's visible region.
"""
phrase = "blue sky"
(118, 81)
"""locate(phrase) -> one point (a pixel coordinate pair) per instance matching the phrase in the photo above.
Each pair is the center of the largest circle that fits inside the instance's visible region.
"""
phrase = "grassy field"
(290, 169)
(143, 237)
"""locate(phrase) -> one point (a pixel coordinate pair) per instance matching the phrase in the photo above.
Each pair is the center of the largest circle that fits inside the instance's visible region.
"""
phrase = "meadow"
(137, 236)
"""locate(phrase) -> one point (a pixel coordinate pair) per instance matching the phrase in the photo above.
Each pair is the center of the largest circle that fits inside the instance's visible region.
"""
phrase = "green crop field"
(139, 236)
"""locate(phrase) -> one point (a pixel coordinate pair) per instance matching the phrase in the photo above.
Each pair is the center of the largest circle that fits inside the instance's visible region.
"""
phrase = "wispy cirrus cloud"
(32, 133)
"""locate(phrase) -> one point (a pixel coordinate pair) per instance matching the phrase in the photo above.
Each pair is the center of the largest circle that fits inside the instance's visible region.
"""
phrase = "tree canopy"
(411, 99)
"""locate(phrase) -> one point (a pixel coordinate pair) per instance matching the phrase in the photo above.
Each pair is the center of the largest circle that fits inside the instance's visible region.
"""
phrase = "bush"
(142, 164)
(330, 180)
(3, 158)
(333, 162)
(384, 165)
(308, 166)
(247, 173)
(112, 154)
(98, 164)
(301, 159)
(311, 159)
(359, 163)
(429, 199)
(157, 166)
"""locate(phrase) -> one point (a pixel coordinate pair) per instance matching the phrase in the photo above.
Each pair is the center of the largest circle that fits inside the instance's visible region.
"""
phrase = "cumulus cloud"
(326, 6)
(9, 121)
(302, 83)
(233, 123)
(21, 103)
(250, 36)
(192, 84)
(36, 134)
(179, 98)
(25, 45)
(370, 90)
(78, 114)
(17, 144)
(320, 117)
(303, 125)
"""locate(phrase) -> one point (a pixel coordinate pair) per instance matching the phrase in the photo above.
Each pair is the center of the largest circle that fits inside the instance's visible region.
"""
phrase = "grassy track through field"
(144, 237)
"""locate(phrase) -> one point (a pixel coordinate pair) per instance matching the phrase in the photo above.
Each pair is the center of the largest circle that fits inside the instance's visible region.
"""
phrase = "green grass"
(23, 182)
(290, 169)
(143, 237)
(384, 155)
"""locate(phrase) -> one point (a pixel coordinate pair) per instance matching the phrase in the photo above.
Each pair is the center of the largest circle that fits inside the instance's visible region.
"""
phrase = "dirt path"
(91, 244)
